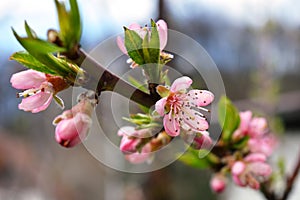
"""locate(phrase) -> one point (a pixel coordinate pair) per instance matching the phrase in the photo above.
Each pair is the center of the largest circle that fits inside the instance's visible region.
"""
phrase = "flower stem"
(101, 79)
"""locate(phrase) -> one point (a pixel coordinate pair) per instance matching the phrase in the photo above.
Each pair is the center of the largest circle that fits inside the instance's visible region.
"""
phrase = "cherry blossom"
(260, 140)
(39, 89)
(182, 109)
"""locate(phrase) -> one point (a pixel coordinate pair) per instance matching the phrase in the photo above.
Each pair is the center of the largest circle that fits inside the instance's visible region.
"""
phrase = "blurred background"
(255, 45)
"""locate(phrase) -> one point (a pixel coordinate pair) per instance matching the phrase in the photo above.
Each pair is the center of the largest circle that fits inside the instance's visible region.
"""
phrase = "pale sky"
(111, 15)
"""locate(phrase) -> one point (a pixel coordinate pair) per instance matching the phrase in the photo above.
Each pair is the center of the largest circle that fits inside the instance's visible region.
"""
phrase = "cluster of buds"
(247, 165)
(137, 145)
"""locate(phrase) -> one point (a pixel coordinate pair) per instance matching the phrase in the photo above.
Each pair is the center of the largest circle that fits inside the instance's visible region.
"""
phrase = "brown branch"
(291, 180)
(101, 79)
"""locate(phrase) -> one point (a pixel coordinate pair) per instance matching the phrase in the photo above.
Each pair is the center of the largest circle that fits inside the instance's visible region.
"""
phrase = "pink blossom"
(260, 140)
(251, 171)
(73, 125)
(162, 29)
(181, 109)
(39, 89)
(131, 138)
(140, 157)
(218, 183)
(27, 79)
(264, 144)
(162, 32)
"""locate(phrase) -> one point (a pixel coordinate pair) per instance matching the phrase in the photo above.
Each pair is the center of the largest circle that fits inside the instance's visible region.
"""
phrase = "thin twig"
(291, 180)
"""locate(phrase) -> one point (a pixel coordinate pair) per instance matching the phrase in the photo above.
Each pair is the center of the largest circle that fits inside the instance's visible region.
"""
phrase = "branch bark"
(101, 79)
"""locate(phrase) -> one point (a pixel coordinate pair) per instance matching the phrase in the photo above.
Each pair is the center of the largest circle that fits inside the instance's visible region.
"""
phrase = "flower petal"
(245, 121)
(255, 157)
(181, 83)
(200, 97)
(138, 29)
(260, 169)
(121, 45)
(171, 126)
(160, 106)
(129, 145)
(134, 26)
(238, 181)
(137, 158)
(257, 127)
(193, 119)
(37, 102)
(163, 33)
(70, 132)
(27, 79)
(126, 130)
(238, 168)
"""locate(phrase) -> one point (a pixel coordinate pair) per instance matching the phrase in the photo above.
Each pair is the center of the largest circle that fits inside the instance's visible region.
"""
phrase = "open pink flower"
(181, 109)
(260, 140)
(251, 171)
(264, 144)
(72, 126)
(38, 92)
(39, 89)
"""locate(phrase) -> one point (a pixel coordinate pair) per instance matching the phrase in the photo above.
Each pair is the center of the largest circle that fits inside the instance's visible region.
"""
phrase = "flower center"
(174, 102)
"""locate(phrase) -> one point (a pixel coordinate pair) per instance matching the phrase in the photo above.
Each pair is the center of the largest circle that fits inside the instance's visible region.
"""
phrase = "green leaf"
(138, 84)
(133, 44)
(154, 44)
(229, 118)
(37, 46)
(191, 158)
(145, 47)
(241, 143)
(29, 61)
(30, 32)
(69, 23)
(42, 51)
(59, 101)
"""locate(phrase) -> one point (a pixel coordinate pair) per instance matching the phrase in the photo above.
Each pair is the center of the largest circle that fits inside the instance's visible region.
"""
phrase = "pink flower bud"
(140, 157)
(73, 125)
(131, 138)
(218, 183)
(202, 142)
(255, 157)
(69, 132)
(238, 168)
